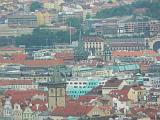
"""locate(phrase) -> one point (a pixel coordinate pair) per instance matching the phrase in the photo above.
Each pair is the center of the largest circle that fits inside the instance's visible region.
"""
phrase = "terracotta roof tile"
(21, 96)
(86, 98)
(133, 53)
(64, 56)
(11, 49)
(42, 63)
(122, 95)
(73, 109)
(15, 82)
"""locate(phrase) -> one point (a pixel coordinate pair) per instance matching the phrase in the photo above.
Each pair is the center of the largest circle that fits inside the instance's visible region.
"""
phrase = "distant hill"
(150, 8)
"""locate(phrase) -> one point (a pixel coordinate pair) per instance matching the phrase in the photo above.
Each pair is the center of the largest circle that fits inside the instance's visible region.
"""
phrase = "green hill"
(152, 10)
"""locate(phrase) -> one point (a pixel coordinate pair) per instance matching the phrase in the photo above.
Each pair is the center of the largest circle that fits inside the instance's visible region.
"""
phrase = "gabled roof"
(86, 98)
(34, 63)
(151, 112)
(105, 107)
(72, 109)
(133, 53)
(11, 49)
(23, 96)
(41, 108)
(122, 95)
(64, 56)
(92, 38)
(114, 82)
(96, 91)
(42, 63)
(137, 87)
(15, 82)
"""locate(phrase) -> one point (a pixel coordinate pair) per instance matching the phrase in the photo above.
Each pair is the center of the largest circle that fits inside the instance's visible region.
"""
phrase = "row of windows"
(90, 83)
(84, 83)
(84, 86)
(75, 92)
(128, 48)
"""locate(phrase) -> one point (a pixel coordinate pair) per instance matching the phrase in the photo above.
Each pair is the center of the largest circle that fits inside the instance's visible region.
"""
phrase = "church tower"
(107, 54)
(57, 89)
(56, 95)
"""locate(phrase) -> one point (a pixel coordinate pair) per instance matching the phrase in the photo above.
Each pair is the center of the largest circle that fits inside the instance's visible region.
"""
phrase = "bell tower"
(57, 88)
(107, 54)
(56, 95)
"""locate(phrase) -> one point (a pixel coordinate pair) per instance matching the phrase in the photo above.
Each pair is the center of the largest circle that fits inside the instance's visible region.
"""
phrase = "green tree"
(88, 16)
(41, 36)
(35, 6)
(74, 22)
(151, 7)
(62, 37)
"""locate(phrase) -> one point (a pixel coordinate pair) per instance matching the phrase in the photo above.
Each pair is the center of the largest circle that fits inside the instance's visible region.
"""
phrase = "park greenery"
(43, 37)
(74, 22)
(152, 8)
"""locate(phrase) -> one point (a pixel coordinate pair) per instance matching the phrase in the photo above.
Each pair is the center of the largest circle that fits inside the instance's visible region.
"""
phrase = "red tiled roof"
(105, 107)
(35, 63)
(150, 112)
(42, 108)
(119, 92)
(72, 109)
(11, 49)
(22, 95)
(15, 82)
(86, 98)
(136, 87)
(64, 56)
(158, 58)
(42, 63)
(19, 56)
(122, 95)
(34, 108)
(133, 53)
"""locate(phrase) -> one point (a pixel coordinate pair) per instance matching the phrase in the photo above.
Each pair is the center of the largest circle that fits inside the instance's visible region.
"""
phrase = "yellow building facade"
(44, 18)
(53, 5)
(136, 95)
(49, 5)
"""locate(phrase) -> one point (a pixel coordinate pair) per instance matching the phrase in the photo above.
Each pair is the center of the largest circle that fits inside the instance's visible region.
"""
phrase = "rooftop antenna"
(70, 34)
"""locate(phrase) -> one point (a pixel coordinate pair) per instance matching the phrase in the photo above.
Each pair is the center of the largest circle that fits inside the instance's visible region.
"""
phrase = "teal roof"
(72, 118)
(124, 67)
(85, 69)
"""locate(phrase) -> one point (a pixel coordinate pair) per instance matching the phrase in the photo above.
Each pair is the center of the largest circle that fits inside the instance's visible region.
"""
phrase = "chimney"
(37, 106)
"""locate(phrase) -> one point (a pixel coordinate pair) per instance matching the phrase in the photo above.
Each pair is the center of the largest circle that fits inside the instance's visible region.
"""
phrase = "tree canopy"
(43, 37)
(152, 10)
(35, 5)
(74, 22)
